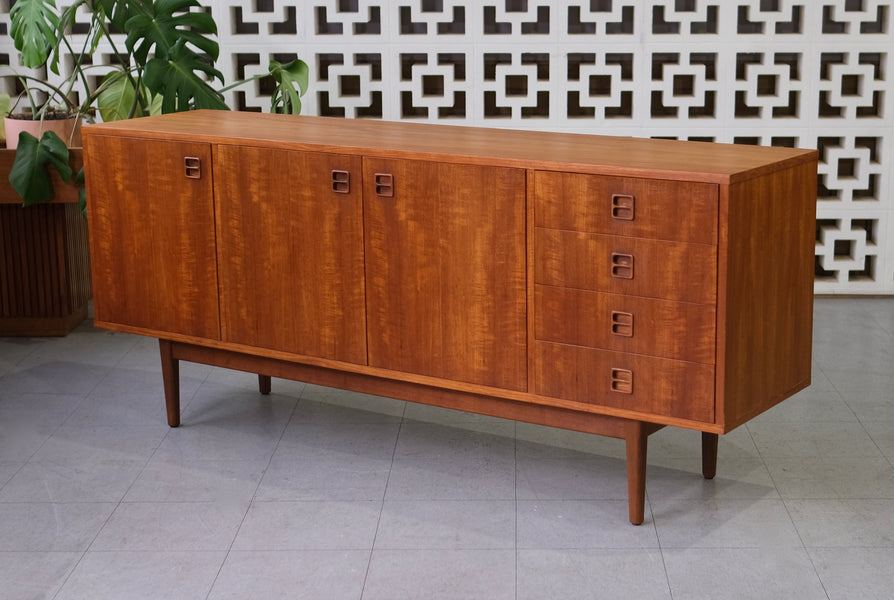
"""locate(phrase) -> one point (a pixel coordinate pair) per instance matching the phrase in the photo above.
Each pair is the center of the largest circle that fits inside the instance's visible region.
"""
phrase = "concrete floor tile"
(309, 526)
(723, 523)
(143, 576)
(441, 575)
(573, 574)
(34, 575)
(292, 575)
(447, 524)
(742, 574)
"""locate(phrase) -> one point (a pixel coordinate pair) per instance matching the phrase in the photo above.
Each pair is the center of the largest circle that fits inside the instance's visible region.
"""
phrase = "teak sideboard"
(598, 284)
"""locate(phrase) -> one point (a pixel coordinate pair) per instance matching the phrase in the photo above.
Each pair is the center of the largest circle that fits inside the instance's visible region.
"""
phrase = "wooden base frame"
(634, 433)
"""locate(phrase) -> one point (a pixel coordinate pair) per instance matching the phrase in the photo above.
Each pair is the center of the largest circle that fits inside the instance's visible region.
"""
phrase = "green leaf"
(82, 201)
(177, 83)
(291, 84)
(5, 104)
(163, 24)
(68, 22)
(182, 55)
(82, 192)
(118, 11)
(116, 101)
(33, 28)
(155, 104)
(29, 175)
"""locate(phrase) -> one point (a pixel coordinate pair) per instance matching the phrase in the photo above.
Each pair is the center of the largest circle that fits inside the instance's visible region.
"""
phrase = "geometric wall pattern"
(805, 73)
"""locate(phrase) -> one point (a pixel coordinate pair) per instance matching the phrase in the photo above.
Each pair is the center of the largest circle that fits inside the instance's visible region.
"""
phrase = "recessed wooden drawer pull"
(622, 265)
(341, 182)
(622, 323)
(622, 381)
(384, 184)
(623, 207)
(193, 167)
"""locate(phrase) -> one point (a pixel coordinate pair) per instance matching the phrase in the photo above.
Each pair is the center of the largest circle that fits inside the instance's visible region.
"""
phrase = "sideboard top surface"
(624, 156)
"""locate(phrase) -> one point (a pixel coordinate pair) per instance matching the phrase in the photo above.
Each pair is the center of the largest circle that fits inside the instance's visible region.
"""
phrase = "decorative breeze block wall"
(806, 73)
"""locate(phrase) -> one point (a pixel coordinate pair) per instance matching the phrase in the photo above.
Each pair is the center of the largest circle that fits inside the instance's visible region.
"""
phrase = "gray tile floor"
(320, 494)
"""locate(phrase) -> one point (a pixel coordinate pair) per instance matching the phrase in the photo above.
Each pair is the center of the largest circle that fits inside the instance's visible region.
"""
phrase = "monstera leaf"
(28, 176)
(117, 11)
(291, 83)
(159, 26)
(171, 44)
(175, 80)
(33, 28)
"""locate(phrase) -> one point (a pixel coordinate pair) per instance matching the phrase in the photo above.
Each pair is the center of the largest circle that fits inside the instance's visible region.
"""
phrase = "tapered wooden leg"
(264, 384)
(170, 372)
(637, 442)
(709, 454)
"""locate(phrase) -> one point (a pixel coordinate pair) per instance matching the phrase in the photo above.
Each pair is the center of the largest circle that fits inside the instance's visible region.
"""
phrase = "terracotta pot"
(67, 129)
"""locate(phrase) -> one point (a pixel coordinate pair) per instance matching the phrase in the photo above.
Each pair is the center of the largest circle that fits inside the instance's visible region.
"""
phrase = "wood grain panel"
(667, 210)
(77, 259)
(44, 269)
(766, 318)
(152, 235)
(657, 386)
(290, 252)
(445, 271)
(670, 270)
(678, 330)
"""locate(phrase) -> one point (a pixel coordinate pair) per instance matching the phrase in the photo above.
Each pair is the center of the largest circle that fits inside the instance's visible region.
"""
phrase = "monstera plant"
(164, 61)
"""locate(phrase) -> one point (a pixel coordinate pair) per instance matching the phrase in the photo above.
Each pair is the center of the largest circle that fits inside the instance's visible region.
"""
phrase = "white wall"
(810, 73)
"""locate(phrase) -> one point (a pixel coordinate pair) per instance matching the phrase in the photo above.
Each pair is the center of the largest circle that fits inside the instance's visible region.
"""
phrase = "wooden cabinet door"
(151, 211)
(290, 226)
(445, 270)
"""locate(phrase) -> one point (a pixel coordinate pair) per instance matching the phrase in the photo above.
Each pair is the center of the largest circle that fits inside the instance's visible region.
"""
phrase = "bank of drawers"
(625, 274)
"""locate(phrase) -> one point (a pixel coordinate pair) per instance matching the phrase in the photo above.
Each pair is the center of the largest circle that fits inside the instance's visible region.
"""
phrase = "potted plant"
(164, 65)
(165, 54)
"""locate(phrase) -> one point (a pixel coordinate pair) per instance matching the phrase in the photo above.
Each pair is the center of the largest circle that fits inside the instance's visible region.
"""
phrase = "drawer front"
(644, 384)
(664, 328)
(622, 265)
(667, 210)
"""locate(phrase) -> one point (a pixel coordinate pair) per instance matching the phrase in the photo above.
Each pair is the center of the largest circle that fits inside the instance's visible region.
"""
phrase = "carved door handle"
(384, 185)
(341, 182)
(622, 381)
(622, 265)
(622, 323)
(623, 207)
(192, 167)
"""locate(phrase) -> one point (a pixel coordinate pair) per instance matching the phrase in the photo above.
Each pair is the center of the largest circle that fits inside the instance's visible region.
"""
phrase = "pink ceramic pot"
(67, 129)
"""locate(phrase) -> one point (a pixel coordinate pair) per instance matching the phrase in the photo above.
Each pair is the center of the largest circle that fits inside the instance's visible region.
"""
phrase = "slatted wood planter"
(44, 260)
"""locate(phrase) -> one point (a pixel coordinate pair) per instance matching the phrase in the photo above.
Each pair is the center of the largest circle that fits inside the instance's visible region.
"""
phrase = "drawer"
(663, 328)
(667, 210)
(646, 384)
(622, 265)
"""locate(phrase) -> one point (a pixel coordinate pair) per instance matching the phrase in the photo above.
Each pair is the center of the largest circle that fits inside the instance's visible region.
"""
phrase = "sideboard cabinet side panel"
(767, 319)
(151, 211)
